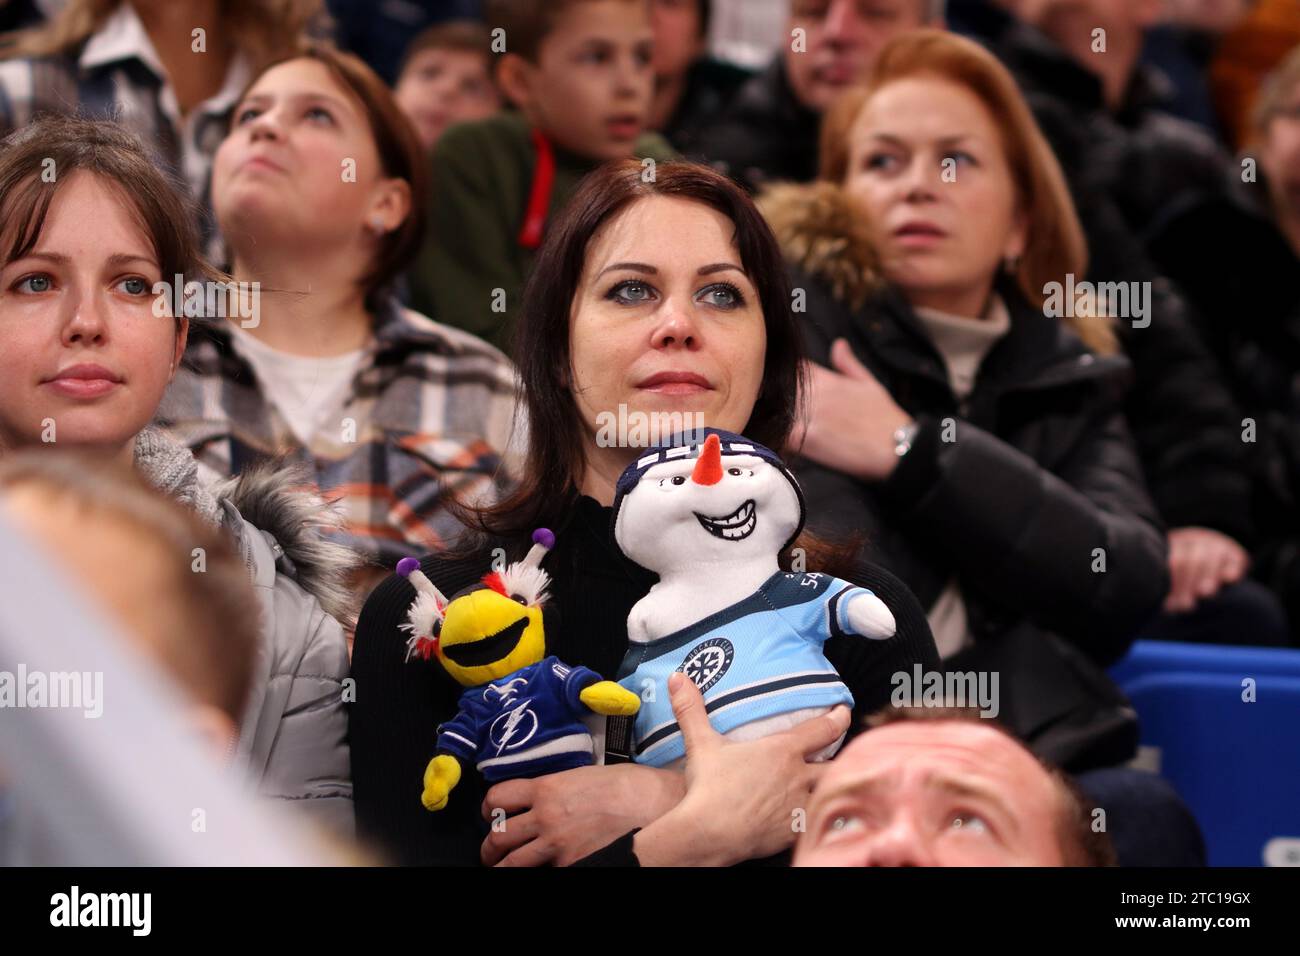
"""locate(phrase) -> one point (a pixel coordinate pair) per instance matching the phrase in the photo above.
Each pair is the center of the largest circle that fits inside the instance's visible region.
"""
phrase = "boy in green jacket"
(579, 74)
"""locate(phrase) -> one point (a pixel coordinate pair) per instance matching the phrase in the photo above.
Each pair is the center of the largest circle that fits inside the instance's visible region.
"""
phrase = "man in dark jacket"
(770, 131)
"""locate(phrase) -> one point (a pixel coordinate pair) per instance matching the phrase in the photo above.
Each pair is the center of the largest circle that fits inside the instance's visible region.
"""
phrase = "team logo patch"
(706, 663)
(514, 727)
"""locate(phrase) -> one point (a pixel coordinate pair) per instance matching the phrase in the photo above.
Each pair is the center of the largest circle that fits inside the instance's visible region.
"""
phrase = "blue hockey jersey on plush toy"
(710, 515)
(520, 715)
(757, 658)
(524, 725)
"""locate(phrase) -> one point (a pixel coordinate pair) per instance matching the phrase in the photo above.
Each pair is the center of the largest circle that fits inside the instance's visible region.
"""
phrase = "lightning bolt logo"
(514, 727)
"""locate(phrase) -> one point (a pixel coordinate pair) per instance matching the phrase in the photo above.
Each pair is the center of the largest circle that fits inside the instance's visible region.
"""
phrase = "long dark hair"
(554, 462)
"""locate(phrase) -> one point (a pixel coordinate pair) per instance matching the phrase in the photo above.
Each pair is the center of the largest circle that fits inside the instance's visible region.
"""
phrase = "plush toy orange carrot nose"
(708, 470)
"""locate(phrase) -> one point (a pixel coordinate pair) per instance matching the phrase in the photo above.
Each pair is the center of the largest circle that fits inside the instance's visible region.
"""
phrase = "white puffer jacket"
(294, 735)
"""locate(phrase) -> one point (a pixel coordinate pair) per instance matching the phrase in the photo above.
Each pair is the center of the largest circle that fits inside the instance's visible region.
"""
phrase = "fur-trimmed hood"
(825, 235)
(279, 499)
(274, 498)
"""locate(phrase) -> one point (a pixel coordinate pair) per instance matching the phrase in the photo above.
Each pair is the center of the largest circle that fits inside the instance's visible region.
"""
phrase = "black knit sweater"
(399, 705)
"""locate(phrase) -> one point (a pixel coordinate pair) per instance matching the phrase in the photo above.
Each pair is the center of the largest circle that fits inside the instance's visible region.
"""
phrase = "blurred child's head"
(88, 226)
(171, 584)
(681, 30)
(446, 78)
(579, 70)
(320, 162)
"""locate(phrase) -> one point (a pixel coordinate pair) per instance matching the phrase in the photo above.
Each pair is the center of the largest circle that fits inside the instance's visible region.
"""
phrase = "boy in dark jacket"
(579, 74)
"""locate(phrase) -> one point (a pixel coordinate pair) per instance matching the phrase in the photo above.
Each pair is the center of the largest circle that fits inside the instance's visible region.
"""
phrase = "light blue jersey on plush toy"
(710, 514)
(755, 659)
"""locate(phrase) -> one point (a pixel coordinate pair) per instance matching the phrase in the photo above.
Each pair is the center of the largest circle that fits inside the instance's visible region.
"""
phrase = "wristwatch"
(903, 438)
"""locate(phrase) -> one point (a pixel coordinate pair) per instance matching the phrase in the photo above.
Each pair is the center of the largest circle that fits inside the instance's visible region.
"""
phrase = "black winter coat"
(1145, 159)
(764, 135)
(1228, 254)
(1129, 170)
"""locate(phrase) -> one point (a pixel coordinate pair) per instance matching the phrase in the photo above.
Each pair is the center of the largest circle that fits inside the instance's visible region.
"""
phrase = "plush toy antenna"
(526, 578)
(409, 568)
(424, 617)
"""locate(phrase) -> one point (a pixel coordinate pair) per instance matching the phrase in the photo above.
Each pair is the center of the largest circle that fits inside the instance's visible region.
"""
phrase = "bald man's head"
(945, 789)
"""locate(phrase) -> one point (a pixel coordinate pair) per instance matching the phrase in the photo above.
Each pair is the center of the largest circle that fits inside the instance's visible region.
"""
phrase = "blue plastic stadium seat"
(1234, 761)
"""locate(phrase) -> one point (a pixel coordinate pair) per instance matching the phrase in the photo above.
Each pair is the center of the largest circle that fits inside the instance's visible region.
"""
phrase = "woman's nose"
(676, 327)
(921, 179)
(86, 324)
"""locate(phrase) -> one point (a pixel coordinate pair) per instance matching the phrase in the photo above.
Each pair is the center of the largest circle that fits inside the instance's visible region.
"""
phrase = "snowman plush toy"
(711, 516)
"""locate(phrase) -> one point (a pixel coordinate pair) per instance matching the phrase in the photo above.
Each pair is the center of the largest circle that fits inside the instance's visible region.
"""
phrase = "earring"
(377, 224)
(1010, 264)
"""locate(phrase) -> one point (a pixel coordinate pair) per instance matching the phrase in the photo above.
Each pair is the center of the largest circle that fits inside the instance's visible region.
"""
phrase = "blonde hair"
(262, 29)
(1055, 244)
(1277, 86)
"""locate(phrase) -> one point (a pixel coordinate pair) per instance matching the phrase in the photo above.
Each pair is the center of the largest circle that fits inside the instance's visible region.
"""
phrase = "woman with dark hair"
(319, 190)
(654, 293)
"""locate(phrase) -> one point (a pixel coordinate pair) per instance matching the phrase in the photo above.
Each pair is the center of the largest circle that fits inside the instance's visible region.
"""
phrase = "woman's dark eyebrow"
(631, 267)
(720, 267)
(651, 270)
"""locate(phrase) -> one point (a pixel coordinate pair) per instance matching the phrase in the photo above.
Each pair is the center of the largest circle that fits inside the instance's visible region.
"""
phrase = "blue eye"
(880, 161)
(724, 295)
(134, 285)
(961, 156)
(631, 292)
(34, 284)
(319, 112)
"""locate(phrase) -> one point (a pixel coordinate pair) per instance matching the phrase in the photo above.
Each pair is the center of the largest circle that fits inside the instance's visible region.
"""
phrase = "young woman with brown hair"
(319, 189)
(89, 347)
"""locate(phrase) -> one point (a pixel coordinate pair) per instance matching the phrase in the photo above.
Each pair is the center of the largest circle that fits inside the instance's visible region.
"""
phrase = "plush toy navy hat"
(689, 444)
